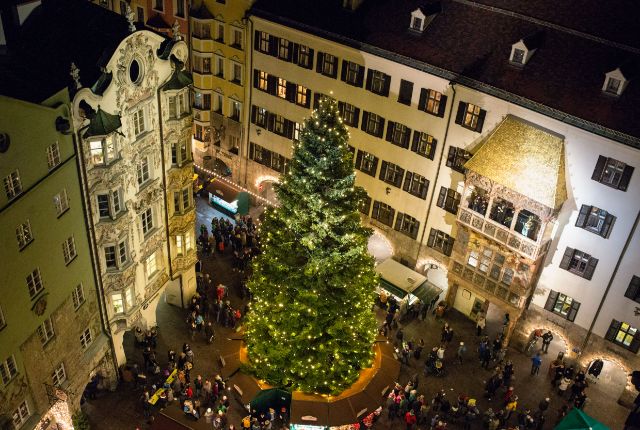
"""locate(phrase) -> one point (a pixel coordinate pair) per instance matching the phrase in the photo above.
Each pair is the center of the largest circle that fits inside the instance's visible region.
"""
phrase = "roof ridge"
(550, 25)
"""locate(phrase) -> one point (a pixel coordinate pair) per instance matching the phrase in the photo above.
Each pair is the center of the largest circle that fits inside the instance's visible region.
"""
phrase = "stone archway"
(613, 382)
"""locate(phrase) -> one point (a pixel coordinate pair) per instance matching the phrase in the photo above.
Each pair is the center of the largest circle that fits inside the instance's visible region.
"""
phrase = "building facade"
(512, 198)
(134, 129)
(218, 42)
(53, 333)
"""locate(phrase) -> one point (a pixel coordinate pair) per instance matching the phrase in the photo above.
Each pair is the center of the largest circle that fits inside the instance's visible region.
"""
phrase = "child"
(562, 387)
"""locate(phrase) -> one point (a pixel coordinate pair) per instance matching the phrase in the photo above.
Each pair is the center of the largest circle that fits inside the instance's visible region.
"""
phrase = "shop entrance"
(469, 303)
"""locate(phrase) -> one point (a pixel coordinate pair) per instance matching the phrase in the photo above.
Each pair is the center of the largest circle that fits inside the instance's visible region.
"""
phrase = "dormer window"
(416, 24)
(518, 56)
(616, 80)
(523, 49)
(422, 16)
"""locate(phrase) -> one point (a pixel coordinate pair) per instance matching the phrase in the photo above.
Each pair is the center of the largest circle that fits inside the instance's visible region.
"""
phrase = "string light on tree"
(310, 326)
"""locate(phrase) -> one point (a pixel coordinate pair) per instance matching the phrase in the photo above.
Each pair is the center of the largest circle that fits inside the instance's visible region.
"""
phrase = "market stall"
(405, 284)
(228, 199)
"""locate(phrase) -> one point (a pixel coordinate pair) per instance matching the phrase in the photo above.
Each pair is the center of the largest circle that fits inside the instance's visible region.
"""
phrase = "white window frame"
(8, 369)
(24, 234)
(59, 375)
(219, 63)
(236, 72)
(471, 116)
(237, 41)
(77, 296)
(146, 221)
(179, 245)
(220, 32)
(86, 338)
(21, 414)
(13, 185)
(151, 265)
(103, 151)
(126, 300)
(143, 171)
(114, 204)
(69, 250)
(217, 102)
(34, 283)
(61, 202)
(377, 81)
(53, 155)
(281, 88)
(46, 332)
(120, 258)
(234, 106)
(139, 120)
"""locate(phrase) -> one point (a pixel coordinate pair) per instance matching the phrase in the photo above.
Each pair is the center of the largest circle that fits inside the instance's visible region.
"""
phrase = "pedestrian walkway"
(122, 409)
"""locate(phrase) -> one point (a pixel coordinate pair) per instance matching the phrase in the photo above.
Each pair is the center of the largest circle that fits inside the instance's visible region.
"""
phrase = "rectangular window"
(34, 283)
(416, 185)
(202, 101)
(53, 155)
(278, 124)
(613, 85)
(352, 73)
(21, 414)
(201, 30)
(117, 301)
(633, 290)
(236, 70)
(142, 170)
(146, 219)
(77, 296)
(219, 32)
(470, 116)
(23, 234)
(612, 173)
(579, 263)
(284, 49)
(595, 220)
(391, 174)
(151, 266)
(423, 144)
(201, 65)
(378, 82)
(236, 40)
(122, 253)
(8, 369)
(109, 204)
(327, 64)
(563, 305)
(46, 331)
(259, 116)
(69, 250)
(219, 66)
(159, 5)
(366, 162)
(365, 205)
(110, 257)
(262, 82)
(188, 242)
(383, 213)
(305, 56)
(217, 103)
(58, 376)
(179, 248)
(624, 335)
(302, 96)
(12, 185)
(140, 15)
(457, 157)
(398, 134)
(407, 225)
(432, 102)
(350, 114)
(440, 241)
(102, 151)
(406, 92)
(372, 124)
(263, 42)
(281, 90)
(178, 105)
(449, 200)
(236, 108)
(86, 338)
(139, 123)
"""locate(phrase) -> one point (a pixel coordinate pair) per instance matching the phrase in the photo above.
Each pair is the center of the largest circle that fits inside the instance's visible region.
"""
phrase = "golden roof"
(525, 158)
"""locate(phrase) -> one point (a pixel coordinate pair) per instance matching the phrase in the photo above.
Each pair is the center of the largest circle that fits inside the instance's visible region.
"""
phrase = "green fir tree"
(311, 325)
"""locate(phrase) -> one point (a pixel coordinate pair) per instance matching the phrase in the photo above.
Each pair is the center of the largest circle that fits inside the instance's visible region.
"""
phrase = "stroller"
(434, 367)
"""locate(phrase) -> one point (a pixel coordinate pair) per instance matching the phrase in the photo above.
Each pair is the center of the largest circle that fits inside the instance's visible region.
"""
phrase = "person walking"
(410, 419)
(462, 350)
(536, 362)
(481, 322)
(546, 341)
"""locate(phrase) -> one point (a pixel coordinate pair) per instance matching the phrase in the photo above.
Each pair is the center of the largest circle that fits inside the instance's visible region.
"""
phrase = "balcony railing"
(512, 240)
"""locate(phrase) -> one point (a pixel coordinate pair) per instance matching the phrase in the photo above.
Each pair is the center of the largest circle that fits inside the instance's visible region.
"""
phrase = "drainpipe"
(93, 244)
(611, 278)
(435, 181)
(244, 152)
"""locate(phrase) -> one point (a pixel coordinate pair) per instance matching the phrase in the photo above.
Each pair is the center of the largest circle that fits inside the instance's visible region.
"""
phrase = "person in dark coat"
(596, 368)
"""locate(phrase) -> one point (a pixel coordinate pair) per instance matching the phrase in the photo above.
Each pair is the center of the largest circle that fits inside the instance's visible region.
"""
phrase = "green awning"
(102, 124)
(427, 292)
(392, 289)
(578, 420)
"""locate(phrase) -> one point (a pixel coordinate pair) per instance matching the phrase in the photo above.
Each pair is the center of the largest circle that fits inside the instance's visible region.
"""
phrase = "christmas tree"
(311, 325)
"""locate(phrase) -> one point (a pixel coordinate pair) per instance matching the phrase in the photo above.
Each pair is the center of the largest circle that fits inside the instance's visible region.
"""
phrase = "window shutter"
(267, 158)
(443, 106)
(308, 100)
(398, 182)
(613, 330)
(606, 227)
(424, 190)
(289, 51)
(272, 84)
(383, 170)
(399, 221)
(311, 57)
(320, 62)
(422, 103)
(591, 267)
(256, 40)
(369, 78)
(380, 128)
(416, 139)
(295, 49)
(365, 119)
(597, 173)
(432, 150)
(633, 289)
(356, 117)
(483, 113)
(407, 181)
(316, 100)
(375, 166)
(270, 121)
(432, 238)
(273, 45)
(254, 113)
(582, 215)
(462, 107)
(626, 177)
(358, 159)
(551, 300)
(635, 343)
(573, 311)
(376, 209)
(256, 78)
(291, 92)
(251, 148)
(405, 139)
(341, 109)
(442, 197)
(386, 86)
(448, 246)
(343, 72)
(566, 258)
(390, 127)
(288, 128)
(360, 78)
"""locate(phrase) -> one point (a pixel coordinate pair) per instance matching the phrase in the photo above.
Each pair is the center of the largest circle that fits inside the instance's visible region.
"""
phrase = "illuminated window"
(579, 263)
(12, 185)
(281, 90)
(624, 335)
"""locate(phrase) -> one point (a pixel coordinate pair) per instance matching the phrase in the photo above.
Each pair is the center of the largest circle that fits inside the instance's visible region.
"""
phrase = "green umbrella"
(578, 420)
